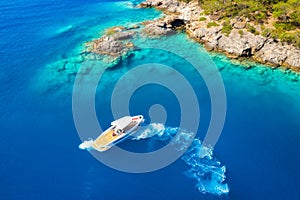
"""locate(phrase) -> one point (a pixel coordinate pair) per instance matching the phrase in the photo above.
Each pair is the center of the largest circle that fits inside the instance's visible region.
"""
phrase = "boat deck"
(105, 139)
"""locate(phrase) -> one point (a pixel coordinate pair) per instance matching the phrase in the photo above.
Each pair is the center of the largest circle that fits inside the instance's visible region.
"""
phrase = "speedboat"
(120, 130)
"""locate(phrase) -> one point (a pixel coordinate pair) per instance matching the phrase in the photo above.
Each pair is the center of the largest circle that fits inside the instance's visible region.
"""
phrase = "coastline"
(44, 55)
(238, 44)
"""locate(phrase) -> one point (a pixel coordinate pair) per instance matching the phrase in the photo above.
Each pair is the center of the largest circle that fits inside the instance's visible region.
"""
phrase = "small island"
(266, 31)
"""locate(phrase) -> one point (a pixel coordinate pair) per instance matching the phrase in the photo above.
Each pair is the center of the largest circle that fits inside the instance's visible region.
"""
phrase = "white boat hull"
(119, 131)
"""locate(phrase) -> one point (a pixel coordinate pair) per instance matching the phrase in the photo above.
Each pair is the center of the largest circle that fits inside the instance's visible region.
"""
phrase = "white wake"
(204, 168)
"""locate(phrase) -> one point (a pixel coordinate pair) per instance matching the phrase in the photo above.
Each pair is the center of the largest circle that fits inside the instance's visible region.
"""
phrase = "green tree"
(281, 11)
(295, 12)
(295, 16)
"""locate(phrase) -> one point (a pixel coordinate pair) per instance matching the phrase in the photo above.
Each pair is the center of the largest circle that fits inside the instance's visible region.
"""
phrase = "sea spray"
(207, 170)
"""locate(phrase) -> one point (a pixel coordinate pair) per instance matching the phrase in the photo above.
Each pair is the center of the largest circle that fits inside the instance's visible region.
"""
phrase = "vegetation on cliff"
(279, 19)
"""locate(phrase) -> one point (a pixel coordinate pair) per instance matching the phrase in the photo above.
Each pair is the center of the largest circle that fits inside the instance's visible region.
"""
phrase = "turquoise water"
(41, 50)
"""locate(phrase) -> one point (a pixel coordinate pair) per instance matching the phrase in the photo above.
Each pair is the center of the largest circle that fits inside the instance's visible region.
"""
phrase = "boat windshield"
(122, 122)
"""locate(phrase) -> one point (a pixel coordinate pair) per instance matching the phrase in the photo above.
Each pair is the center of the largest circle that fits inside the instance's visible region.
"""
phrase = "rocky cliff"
(238, 43)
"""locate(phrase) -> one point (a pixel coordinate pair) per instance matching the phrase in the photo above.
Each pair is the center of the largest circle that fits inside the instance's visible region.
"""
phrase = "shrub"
(287, 37)
(274, 33)
(211, 24)
(252, 29)
(186, 1)
(202, 19)
(287, 26)
(226, 29)
(241, 32)
(259, 17)
(266, 32)
(297, 44)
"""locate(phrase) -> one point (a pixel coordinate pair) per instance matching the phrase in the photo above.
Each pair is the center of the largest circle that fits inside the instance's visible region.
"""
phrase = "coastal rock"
(293, 58)
(244, 45)
(235, 44)
(209, 36)
(167, 5)
(156, 29)
(192, 26)
(175, 23)
(114, 30)
(200, 33)
(234, 47)
(213, 43)
(111, 45)
(272, 53)
(115, 43)
(135, 26)
(108, 46)
(239, 23)
(189, 12)
(186, 11)
(144, 5)
(165, 26)
(124, 35)
(239, 43)
(129, 45)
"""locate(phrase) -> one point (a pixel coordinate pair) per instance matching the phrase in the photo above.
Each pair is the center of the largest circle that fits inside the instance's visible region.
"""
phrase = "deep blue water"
(39, 153)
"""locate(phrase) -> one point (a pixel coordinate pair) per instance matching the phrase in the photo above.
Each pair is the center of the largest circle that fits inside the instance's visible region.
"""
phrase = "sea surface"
(42, 45)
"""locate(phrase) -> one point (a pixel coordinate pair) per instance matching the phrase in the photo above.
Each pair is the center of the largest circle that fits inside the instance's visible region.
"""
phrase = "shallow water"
(40, 51)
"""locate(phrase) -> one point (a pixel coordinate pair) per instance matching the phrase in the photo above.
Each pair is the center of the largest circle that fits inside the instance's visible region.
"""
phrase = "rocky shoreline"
(239, 43)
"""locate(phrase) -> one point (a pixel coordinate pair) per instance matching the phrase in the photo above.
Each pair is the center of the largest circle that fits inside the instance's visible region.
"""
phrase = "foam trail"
(208, 171)
(149, 131)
